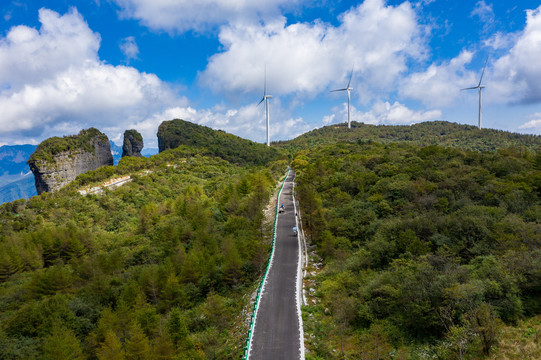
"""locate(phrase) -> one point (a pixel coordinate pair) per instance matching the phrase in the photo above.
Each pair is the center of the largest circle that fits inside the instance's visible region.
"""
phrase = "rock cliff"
(133, 143)
(57, 161)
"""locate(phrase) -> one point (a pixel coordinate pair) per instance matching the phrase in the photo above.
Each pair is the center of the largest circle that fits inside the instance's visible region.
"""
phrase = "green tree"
(62, 344)
(177, 329)
(111, 348)
(137, 346)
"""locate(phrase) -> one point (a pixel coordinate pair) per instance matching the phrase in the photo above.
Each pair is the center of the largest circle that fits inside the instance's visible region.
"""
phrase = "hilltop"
(442, 133)
(174, 133)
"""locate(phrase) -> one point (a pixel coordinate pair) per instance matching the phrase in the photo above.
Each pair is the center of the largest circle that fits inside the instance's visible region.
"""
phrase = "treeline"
(156, 269)
(440, 133)
(427, 251)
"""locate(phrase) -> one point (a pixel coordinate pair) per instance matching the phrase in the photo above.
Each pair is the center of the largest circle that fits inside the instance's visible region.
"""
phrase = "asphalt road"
(276, 333)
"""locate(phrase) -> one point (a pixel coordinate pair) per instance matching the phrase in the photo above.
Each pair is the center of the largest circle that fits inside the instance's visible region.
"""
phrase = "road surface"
(276, 332)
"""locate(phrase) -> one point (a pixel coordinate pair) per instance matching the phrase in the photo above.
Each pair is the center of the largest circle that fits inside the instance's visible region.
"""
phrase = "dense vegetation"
(427, 251)
(174, 133)
(159, 268)
(440, 133)
(84, 141)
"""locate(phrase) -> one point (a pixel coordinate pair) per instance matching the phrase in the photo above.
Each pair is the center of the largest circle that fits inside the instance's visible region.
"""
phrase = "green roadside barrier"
(260, 287)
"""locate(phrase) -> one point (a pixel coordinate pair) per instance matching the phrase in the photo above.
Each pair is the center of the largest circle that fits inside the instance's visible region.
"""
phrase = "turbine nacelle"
(263, 99)
(346, 89)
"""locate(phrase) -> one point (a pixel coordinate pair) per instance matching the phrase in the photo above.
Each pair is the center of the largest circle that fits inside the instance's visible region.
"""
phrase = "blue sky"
(122, 64)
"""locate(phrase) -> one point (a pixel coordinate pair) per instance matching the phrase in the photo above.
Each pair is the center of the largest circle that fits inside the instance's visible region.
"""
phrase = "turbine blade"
(350, 76)
(483, 73)
(259, 103)
(470, 88)
(338, 90)
(265, 87)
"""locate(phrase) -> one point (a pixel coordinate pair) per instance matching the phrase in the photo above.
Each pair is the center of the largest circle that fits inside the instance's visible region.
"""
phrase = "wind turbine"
(348, 89)
(266, 98)
(480, 88)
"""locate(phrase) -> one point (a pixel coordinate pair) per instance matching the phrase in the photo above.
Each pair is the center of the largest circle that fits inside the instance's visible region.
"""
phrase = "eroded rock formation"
(133, 143)
(57, 161)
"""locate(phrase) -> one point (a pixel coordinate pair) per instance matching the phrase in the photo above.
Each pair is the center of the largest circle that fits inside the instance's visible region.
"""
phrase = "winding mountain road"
(278, 326)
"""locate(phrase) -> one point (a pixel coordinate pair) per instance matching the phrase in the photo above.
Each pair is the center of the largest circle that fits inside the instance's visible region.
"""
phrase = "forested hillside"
(440, 133)
(159, 268)
(177, 132)
(428, 252)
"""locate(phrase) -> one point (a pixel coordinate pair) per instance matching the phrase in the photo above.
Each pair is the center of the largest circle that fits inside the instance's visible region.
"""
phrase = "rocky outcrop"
(133, 143)
(170, 134)
(57, 161)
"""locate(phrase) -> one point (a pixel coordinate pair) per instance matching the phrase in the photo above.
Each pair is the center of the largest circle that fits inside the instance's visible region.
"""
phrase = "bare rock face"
(58, 161)
(133, 143)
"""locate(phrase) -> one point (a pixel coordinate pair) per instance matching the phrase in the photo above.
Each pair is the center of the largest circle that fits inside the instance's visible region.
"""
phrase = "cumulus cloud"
(534, 124)
(440, 84)
(53, 82)
(516, 75)
(27, 54)
(201, 15)
(383, 113)
(376, 39)
(129, 48)
(501, 41)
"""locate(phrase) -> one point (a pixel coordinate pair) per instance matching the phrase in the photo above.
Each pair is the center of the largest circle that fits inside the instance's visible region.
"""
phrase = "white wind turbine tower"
(480, 88)
(348, 89)
(266, 98)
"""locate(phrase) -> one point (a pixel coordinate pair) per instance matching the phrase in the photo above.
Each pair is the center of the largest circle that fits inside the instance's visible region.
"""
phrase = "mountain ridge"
(442, 133)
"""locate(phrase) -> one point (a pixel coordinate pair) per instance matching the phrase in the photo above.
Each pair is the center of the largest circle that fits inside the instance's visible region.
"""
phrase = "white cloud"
(516, 75)
(328, 119)
(27, 54)
(67, 88)
(485, 14)
(534, 124)
(440, 84)
(53, 83)
(383, 113)
(501, 41)
(201, 15)
(310, 57)
(129, 48)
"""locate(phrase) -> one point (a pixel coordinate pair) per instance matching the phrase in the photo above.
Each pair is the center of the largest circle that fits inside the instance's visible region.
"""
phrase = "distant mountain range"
(16, 179)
